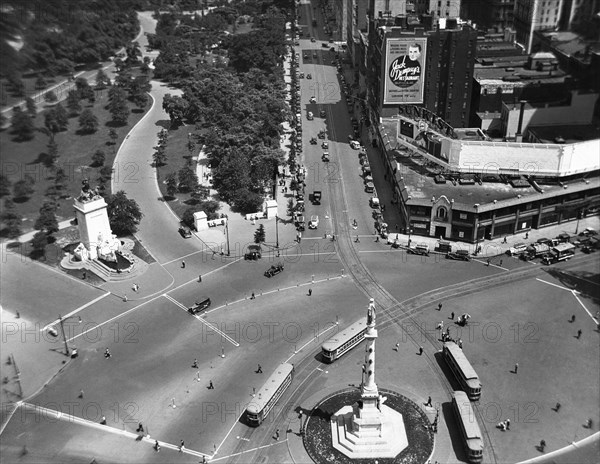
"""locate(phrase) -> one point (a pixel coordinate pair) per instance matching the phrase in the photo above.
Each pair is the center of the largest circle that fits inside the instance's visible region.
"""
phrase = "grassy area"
(75, 157)
(8, 99)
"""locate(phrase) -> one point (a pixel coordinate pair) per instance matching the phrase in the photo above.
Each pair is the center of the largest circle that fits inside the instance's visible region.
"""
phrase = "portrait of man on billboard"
(405, 70)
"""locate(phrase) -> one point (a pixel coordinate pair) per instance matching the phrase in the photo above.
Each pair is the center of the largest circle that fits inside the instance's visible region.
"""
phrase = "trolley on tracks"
(344, 341)
(269, 394)
(462, 370)
(468, 426)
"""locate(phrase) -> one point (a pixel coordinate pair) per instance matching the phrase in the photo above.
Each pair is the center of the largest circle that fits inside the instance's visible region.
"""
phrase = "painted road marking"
(75, 311)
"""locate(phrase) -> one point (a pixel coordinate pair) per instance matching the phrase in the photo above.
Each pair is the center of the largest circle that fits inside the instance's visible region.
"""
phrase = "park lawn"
(8, 99)
(75, 157)
(177, 156)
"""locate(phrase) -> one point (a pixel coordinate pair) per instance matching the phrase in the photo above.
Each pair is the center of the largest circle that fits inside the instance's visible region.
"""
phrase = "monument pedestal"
(94, 228)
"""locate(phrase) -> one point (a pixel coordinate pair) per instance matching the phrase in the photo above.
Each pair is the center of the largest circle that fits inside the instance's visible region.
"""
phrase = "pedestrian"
(140, 427)
(420, 351)
(107, 353)
(103, 421)
(589, 423)
(452, 315)
(488, 262)
(357, 240)
(277, 434)
(572, 318)
(181, 446)
(504, 240)
(460, 343)
(440, 307)
(84, 276)
(17, 315)
(542, 445)
(156, 446)
(259, 370)
(210, 385)
(80, 393)
(200, 278)
(125, 299)
(507, 422)
(377, 238)
(195, 365)
(397, 347)
(182, 264)
(516, 367)
(252, 297)
(579, 334)
(557, 407)
(500, 262)
(310, 292)
(440, 326)
(526, 235)
(429, 402)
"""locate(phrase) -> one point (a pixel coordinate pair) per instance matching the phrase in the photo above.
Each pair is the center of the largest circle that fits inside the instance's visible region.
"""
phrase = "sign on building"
(403, 70)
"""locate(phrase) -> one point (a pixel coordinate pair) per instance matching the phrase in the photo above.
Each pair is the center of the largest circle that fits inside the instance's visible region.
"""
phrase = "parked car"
(274, 270)
(516, 249)
(314, 222)
(419, 249)
(309, 76)
(254, 253)
(587, 232)
(322, 113)
(325, 145)
(200, 305)
(312, 39)
(369, 187)
(313, 99)
(301, 75)
(325, 157)
(185, 232)
(309, 116)
(459, 255)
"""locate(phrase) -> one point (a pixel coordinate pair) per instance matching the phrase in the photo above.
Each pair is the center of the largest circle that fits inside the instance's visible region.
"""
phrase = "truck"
(535, 250)
(317, 197)
(558, 253)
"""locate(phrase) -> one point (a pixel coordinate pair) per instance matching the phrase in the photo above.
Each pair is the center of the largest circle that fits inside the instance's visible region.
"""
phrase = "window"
(463, 215)
(442, 212)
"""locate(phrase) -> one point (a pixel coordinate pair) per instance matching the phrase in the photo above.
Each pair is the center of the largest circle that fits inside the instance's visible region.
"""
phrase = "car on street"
(274, 270)
(312, 39)
(185, 232)
(254, 253)
(314, 222)
(322, 113)
(588, 231)
(200, 305)
(305, 55)
(587, 249)
(313, 99)
(325, 157)
(309, 76)
(325, 145)
(368, 178)
(516, 249)
(369, 187)
(459, 255)
(324, 45)
(301, 75)
(420, 249)
(309, 116)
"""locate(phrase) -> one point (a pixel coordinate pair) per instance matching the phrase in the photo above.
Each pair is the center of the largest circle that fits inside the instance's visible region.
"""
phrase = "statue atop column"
(87, 193)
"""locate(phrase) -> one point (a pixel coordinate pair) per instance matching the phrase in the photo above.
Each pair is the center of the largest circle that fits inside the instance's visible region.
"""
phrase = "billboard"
(404, 72)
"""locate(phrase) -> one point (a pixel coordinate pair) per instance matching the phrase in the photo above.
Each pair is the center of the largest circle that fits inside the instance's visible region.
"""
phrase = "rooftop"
(569, 133)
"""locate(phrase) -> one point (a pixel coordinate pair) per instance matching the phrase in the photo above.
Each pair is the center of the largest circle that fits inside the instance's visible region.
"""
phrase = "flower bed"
(317, 434)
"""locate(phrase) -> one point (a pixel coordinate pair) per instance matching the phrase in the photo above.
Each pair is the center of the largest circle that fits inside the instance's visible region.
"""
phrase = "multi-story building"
(489, 14)
(535, 15)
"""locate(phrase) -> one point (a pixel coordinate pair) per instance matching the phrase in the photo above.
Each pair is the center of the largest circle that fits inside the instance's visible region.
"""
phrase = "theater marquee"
(404, 72)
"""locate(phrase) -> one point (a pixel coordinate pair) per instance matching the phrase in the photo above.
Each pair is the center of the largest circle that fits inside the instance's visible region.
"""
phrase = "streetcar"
(462, 370)
(269, 394)
(344, 341)
(468, 426)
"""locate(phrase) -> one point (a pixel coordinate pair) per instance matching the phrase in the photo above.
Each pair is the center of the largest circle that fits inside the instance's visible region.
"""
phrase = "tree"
(259, 235)
(88, 122)
(98, 158)
(102, 80)
(188, 217)
(11, 219)
(188, 180)
(51, 123)
(31, 107)
(124, 214)
(73, 103)
(5, 185)
(40, 82)
(117, 105)
(22, 125)
(62, 117)
(38, 243)
(171, 183)
(46, 221)
(60, 181)
(175, 107)
(112, 134)
(159, 157)
(52, 151)
(50, 97)
(23, 189)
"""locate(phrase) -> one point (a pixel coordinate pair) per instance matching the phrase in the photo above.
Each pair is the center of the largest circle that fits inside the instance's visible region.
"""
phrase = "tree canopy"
(124, 214)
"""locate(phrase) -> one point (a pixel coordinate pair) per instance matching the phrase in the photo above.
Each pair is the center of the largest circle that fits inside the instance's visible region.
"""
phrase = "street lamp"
(227, 233)
(62, 329)
(409, 232)
(277, 232)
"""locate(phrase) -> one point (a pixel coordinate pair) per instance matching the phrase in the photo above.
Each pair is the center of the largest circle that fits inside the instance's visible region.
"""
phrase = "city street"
(164, 359)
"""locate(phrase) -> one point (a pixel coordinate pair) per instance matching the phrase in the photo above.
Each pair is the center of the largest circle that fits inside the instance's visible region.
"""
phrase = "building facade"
(488, 15)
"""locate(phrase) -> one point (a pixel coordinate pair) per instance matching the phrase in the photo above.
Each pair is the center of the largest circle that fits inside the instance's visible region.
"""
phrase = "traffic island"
(317, 436)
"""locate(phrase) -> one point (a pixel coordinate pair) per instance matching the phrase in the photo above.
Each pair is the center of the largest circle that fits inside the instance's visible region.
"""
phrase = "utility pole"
(277, 232)
(62, 329)
(227, 232)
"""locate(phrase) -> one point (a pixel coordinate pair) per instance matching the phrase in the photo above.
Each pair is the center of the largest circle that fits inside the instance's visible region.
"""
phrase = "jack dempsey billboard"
(403, 70)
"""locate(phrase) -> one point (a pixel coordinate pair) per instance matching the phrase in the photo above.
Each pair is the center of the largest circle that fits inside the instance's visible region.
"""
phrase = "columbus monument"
(369, 429)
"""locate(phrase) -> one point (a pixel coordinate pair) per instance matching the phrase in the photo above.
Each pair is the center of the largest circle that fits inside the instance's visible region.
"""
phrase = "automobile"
(300, 223)
(309, 76)
(368, 178)
(313, 99)
(313, 141)
(299, 196)
(309, 116)
(374, 202)
(321, 134)
(254, 253)
(274, 270)
(396, 244)
(419, 249)
(185, 232)
(324, 45)
(587, 232)
(305, 55)
(355, 145)
(516, 249)
(301, 75)
(459, 255)
(314, 54)
(322, 113)
(325, 157)
(587, 249)
(325, 145)
(563, 237)
(297, 44)
(312, 39)
(369, 187)
(314, 222)
(200, 305)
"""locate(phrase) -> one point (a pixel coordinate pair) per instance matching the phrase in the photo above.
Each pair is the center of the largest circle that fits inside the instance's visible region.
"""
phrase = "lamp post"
(61, 320)
(277, 232)
(410, 231)
(227, 233)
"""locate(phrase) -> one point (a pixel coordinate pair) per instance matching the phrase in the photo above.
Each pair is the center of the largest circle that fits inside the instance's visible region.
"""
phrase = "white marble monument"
(369, 429)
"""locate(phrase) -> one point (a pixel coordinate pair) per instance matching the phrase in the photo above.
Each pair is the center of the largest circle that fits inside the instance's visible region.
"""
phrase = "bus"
(269, 394)
(468, 426)
(462, 370)
(344, 341)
